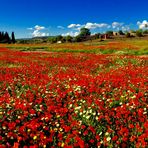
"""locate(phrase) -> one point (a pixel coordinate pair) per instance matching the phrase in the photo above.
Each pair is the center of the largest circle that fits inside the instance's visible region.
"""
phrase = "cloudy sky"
(30, 18)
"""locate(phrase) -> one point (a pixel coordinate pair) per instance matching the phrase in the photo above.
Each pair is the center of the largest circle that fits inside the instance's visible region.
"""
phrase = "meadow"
(83, 95)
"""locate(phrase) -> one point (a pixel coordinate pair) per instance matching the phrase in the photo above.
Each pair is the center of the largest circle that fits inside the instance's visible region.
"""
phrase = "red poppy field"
(73, 100)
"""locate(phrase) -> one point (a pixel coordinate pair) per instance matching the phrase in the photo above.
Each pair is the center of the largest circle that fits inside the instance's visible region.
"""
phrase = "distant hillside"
(44, 37)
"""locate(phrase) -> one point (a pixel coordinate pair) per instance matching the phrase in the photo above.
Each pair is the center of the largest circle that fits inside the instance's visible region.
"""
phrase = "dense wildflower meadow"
(51, 100)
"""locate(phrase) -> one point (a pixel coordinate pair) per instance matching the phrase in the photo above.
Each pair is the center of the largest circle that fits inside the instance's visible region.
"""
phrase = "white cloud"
(117, 25)
(125, 28)
(96, 25)
(29, 28)
(37, 33)
(73, 25)
(37, 27)
(71, 34)
(143, 25)
(60, 27)
(88, 25)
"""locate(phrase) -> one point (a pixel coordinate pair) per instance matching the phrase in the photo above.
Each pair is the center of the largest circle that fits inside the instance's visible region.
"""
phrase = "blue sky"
(29, 18)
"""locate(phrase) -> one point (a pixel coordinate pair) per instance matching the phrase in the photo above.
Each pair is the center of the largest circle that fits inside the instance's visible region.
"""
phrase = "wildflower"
(4, 127)
(94, 113)
(62, 145)
(87, 117)
(100, 133)
(35, 137)
(108, 138)
(106, 133)
(81, 113)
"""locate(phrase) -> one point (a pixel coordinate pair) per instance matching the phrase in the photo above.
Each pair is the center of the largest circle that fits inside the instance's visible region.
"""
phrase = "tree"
(63, 40)
(128, 35)
(78, 38)
(4, 37)
(13, 38)
(0, 36)
(69, 38)
(84, 32)
(110, 33)
(97, 35)
(146, 25)
(59, 38)
(145, 32)
(139, 33)
(120, 32)
(52, 39)
(7, 38)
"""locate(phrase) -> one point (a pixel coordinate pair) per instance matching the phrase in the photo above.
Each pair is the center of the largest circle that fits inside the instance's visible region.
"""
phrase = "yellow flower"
(58, 116)
(62, 145)
(108, 138)
(35, 137)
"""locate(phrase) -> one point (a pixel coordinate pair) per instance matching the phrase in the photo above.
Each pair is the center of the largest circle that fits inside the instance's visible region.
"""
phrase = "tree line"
(85, 35)
(5, 37)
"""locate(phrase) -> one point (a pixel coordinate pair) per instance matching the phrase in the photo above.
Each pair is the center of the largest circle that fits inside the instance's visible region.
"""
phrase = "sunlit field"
(88, 95)
(123, 47)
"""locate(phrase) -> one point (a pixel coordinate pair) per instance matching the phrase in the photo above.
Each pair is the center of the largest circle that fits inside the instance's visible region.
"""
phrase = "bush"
(139, 33)
(128, 35)
(145, 32)
(78, 38)
(69, 38)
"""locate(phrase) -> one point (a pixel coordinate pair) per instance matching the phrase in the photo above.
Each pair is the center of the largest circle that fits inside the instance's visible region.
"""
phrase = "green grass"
(126, 51)
(29, 48)
(140, 43)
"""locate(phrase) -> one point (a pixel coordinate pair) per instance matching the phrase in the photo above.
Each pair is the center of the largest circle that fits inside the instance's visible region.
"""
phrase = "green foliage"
(55, 39)
(110, 33)
(139, 33)
(52, 39)
(145, 32)
(63, 40)
(68, 38)
(59, 38)
(13, 38)
(78, 38)
(128, 35)
(97, 36)
(5, 38)
(121, 32)
(84, 32)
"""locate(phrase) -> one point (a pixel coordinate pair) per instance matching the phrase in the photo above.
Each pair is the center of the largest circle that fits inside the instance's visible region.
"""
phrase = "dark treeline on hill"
(5, 38)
